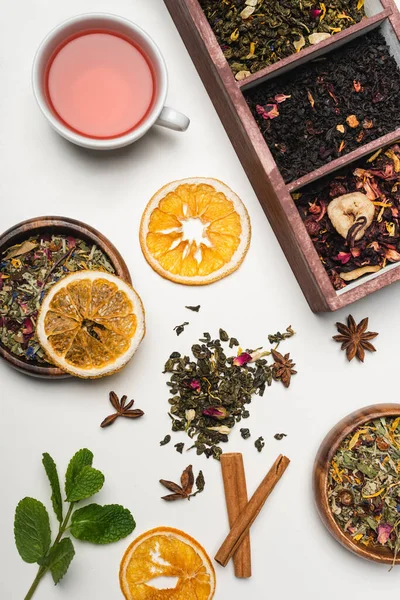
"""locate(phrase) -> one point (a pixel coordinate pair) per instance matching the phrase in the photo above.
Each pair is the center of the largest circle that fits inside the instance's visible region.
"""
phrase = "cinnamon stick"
(236, 500)
(247, 517)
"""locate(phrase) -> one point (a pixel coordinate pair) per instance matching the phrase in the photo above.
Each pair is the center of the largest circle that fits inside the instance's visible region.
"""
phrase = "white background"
(42, 174)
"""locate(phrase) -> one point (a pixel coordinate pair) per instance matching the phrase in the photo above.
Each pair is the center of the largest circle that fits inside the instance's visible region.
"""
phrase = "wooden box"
(255, 156)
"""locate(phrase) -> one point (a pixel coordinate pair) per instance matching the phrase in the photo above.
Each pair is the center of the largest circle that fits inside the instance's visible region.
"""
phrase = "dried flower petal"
(384, 531)
(279, 98)
(195, 385)
(242, 359)
(352, 121)
(299, 44)
(216, 412)
(316, 38)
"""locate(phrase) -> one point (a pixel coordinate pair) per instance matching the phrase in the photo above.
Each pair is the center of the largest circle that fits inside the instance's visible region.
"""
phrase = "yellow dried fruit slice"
(176, 228)
(166, 552)
(90, 324)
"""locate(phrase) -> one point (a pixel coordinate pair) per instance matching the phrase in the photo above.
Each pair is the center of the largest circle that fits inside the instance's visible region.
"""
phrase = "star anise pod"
(180, 491)
(355, 338)
(123, 410)
(283, 367)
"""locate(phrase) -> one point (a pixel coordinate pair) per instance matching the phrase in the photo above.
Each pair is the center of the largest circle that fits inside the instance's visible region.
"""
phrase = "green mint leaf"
(51, 471)
(86, 483)
(82, 458)
(32, 530)
(59, 559)
(102, 524)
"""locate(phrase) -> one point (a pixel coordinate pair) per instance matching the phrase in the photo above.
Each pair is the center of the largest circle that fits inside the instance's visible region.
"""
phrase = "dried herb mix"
(329, 107)
(347, 258)
(210, 392)
(363, 489)
(256, 33)
(27, 271)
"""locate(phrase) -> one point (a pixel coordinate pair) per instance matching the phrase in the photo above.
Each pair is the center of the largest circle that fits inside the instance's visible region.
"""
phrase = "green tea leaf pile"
(92, 523)
(210, 391)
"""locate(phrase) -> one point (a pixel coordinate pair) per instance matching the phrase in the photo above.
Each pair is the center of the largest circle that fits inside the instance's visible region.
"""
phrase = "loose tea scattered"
(123, 410)
(180, 492)
(179, 447)
(27, 271)
(259, 443)
(329, 107)
(165, 441)
(350, 244)
(280, 436)
(193, 308)
(363, 489)
(211, 391)
(180, 328)
(355, 338)
(245, 433)
(256, 33)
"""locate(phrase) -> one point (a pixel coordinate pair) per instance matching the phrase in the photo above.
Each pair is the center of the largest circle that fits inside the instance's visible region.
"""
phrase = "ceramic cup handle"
(173, 119)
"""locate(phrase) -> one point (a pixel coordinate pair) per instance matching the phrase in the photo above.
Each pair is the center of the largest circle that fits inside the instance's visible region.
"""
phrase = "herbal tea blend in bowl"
(34, 255)
(353, 217)
(329, 107)
(256, 33)
(357, 482)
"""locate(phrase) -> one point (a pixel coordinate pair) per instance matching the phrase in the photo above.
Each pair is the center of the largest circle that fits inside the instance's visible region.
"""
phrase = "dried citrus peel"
(90, 324)
(195, 231)
(166, 552)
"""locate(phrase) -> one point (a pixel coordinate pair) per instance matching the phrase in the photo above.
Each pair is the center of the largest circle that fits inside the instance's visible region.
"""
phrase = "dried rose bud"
(315, 13)
(195, 385)
(216, 412)
(346, 498)
(382, 444)
(384, 531)
(392, 255)
(242, 359)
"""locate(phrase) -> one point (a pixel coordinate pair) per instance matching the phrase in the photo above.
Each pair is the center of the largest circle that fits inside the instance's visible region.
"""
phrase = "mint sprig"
(93, 523)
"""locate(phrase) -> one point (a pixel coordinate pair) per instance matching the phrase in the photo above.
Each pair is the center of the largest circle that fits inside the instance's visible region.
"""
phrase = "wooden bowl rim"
(80, 229)
(325, 453)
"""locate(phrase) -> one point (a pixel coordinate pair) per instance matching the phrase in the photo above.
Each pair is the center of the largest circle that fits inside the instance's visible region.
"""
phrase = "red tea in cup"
(100, 84)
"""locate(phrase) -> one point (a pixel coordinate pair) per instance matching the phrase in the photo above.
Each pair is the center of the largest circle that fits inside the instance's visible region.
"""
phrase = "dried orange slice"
(90, 323)
(166, 552)
(195, 231)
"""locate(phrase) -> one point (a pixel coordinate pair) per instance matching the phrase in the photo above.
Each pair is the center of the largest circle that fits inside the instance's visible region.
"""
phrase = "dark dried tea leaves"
(210, 391)
(256, 34)
(27, 271)
(259, 443)
(280, 436)
(180, 328)
(363, 484)
(165, 441)
(184, 490)
(324, 116)
(194, 308)
(245, 433)
(179, 447)
(122, 410)
(355, 339)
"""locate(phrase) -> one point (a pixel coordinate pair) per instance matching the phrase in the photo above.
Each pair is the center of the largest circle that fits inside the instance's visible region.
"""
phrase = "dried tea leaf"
(179, 447)
(180, 328)
(259, 443)
(166, 440)
(280, 436)
(194, 308)
(20, 249)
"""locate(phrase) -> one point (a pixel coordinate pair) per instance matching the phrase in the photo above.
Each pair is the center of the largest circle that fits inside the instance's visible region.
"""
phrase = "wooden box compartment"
(274, 195)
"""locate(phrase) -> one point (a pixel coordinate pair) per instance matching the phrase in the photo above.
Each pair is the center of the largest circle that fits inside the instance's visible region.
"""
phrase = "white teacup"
(159, 114)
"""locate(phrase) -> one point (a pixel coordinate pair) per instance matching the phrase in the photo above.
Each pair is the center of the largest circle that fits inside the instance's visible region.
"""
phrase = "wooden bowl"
(320, 478)
(61, 225)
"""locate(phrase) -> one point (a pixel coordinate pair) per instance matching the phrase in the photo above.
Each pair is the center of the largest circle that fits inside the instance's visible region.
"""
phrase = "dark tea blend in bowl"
(330, 106)
(254, 34)
(353, 217)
